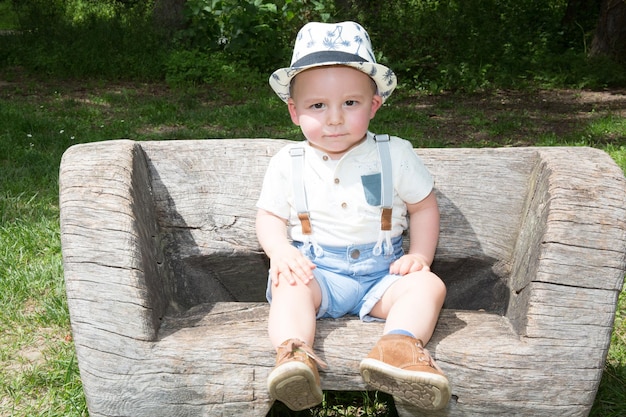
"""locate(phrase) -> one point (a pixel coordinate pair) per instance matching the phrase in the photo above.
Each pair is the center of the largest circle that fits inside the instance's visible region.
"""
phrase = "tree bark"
(580, 12)
(610, 36)
(168, 14)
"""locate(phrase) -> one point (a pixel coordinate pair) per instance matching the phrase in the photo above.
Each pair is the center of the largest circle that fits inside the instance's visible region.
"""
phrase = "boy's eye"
(351, 102)
(318, 106)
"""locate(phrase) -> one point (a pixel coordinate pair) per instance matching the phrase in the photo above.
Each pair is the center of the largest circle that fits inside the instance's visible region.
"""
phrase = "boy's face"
(333, 106)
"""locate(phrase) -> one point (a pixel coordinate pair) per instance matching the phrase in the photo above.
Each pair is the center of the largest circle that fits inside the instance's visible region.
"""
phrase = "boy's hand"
(290, 264)
(409, 263)
(286, 262)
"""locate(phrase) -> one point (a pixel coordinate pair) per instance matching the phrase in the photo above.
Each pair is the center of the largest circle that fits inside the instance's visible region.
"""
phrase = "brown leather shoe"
(399, 365)
(295, 380)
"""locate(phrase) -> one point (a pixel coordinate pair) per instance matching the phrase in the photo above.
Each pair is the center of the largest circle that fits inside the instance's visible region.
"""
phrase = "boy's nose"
(335, 116)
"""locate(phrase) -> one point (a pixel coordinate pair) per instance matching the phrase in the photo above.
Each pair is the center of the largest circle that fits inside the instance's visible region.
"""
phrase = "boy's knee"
(439, 289)
(298, 291)
(429, 282)
(441, 285)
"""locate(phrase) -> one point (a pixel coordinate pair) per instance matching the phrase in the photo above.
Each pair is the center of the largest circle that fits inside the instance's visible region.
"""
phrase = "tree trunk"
(581, 12)
(610, 37)
(168, 14)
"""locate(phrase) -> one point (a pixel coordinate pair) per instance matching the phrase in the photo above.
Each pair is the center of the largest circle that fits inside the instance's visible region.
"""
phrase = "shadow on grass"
(343, 403)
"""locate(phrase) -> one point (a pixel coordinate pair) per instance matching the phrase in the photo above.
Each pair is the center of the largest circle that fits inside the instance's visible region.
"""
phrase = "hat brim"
(385, 79)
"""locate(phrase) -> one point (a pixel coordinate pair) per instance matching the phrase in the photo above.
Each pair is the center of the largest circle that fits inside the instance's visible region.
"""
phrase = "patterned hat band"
(325, 58)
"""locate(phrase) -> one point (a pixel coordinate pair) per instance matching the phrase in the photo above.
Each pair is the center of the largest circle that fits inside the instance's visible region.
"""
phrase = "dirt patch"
(517, 118)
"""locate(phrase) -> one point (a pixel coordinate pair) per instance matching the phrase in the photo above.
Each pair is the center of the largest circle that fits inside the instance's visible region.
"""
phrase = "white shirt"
(343, 196)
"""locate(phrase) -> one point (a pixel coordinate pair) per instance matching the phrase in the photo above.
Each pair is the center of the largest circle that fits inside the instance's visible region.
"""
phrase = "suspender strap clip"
(385, 219)
(305, 222)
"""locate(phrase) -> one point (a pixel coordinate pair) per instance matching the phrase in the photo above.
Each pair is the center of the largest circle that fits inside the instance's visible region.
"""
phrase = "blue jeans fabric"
(352, 279)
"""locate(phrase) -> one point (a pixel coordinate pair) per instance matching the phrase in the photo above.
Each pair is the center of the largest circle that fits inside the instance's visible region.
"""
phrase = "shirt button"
(325, 157)
(336, 180)
(355, 254)
(344, 205)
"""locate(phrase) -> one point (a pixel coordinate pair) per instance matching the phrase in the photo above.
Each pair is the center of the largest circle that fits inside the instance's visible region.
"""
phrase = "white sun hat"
(324, 44)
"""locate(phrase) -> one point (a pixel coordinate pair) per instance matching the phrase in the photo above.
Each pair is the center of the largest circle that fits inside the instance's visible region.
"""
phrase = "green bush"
(473, 44)
(88, 39)
(469, 43)
(431, 44)
(254, 32)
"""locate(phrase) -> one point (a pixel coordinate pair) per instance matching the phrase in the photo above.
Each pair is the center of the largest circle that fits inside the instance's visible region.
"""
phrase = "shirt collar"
(362, 148)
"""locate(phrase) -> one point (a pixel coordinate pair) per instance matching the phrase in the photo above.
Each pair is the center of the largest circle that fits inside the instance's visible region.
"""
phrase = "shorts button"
(355, 254)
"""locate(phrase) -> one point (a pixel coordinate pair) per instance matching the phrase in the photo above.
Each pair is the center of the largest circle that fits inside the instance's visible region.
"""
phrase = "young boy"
(331, 216)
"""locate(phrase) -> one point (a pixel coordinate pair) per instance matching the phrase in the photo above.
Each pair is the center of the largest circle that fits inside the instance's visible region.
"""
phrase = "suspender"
(299, 193)
(386, 180)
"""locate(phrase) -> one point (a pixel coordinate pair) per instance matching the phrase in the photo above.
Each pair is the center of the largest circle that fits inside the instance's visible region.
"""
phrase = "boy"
(331, 216)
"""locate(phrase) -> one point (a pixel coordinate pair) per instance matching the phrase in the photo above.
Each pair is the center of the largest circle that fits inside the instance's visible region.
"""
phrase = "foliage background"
(432, 44)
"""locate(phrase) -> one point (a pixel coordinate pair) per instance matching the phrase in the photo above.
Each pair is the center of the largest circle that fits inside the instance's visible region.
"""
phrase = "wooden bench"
(165, 279)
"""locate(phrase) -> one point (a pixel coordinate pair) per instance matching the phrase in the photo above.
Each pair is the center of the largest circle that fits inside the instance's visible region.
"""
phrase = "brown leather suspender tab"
(305, 222)
(385, 219)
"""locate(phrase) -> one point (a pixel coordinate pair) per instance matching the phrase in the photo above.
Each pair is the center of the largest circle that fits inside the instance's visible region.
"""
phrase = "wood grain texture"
(166, 281)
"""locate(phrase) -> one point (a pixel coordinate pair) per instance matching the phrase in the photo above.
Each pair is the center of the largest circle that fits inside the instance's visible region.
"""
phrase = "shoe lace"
(293, 345)
(426, 357)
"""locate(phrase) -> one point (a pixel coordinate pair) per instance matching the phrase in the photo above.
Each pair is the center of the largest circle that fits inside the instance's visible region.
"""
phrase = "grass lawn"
(40, 119)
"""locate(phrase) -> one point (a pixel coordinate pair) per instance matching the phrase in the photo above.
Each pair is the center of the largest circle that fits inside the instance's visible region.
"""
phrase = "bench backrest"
(205, 194)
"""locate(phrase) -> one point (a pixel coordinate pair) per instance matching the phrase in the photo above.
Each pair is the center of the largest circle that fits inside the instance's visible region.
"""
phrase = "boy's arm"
(423, 235)
(286, 262)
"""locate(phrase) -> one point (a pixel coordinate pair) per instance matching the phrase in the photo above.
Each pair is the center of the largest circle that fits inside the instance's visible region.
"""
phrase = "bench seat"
(166, 280)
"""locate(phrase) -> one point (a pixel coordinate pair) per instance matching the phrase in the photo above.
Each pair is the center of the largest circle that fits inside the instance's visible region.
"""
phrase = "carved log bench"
(165, 278)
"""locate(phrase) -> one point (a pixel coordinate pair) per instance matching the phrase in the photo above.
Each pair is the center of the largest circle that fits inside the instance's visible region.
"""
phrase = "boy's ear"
(291, 105)
(377, 102)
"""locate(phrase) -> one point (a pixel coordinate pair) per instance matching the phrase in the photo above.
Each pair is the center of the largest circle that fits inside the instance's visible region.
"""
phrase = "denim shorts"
(352, 278)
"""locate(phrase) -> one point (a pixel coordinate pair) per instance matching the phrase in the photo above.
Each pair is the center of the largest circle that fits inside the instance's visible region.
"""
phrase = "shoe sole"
(294, 385)
(422, 389)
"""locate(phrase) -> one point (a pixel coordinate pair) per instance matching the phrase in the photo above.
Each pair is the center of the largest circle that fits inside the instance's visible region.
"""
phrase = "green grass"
(40, 120)
(611, 399)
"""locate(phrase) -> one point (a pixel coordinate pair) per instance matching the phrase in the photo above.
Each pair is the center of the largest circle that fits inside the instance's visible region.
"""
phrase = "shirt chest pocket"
(372, 189)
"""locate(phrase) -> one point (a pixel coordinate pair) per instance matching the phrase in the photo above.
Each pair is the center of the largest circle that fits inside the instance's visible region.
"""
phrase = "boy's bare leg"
(293, 312)
(295, 380)
(399, 364)
(413, 304)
